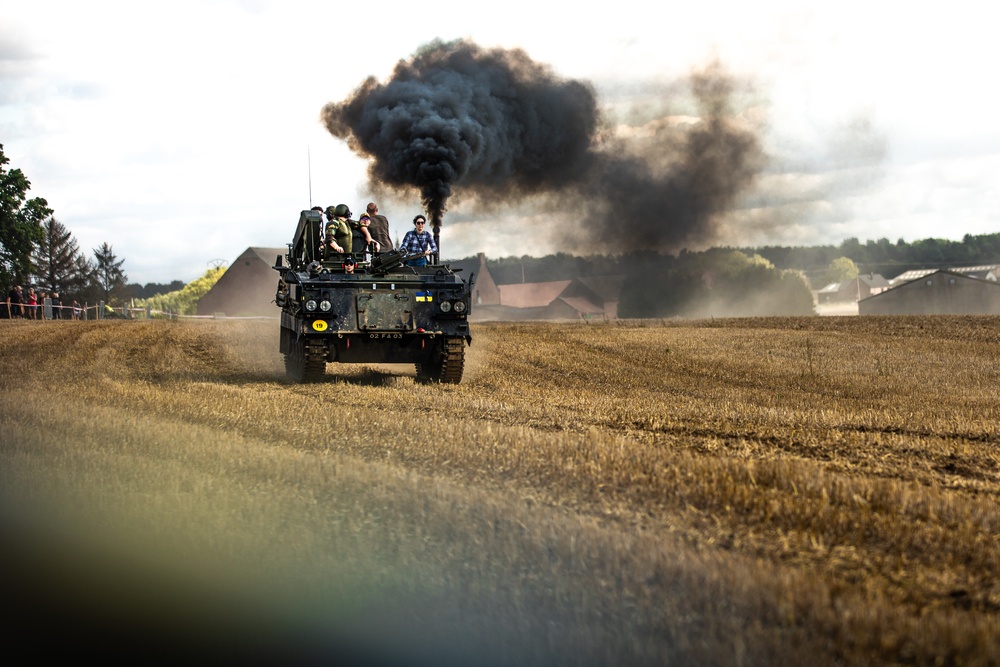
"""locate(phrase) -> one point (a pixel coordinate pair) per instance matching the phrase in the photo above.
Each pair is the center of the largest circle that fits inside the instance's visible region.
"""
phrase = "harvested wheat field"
(814, 491)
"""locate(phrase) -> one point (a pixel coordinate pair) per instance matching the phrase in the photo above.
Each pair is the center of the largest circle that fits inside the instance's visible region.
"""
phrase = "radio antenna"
(310, 171)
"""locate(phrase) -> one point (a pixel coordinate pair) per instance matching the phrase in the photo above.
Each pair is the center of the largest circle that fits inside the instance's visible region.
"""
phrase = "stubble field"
(743, 491)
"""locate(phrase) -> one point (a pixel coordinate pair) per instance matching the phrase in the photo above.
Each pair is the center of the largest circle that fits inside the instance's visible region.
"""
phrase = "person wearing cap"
(349, 265)
(379, 228)
(418, 240)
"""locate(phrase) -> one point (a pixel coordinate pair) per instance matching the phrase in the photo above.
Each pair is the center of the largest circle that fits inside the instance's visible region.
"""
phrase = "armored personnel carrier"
(385, 312)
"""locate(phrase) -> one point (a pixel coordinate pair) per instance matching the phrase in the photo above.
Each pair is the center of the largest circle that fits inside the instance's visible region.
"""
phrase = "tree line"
(821, 264)
(883, 256)
(37, 250)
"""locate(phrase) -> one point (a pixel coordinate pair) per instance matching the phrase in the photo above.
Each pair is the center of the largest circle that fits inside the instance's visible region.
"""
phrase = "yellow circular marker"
(319, 325)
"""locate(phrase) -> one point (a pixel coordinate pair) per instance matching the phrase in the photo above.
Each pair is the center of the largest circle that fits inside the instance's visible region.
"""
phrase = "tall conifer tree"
(108, 275)
(56, 259)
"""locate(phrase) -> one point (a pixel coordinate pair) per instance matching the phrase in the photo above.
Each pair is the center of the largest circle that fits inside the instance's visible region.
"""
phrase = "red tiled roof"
(531, 295)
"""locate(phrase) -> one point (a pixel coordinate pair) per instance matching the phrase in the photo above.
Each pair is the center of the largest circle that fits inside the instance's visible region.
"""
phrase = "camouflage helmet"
(342, 210)
(330, 210)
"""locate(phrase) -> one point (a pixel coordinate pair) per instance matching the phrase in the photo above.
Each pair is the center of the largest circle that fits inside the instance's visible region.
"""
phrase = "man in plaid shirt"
(418, 241)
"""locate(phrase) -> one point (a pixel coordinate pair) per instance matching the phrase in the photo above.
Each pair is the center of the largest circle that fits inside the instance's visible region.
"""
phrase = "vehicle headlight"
(325, 306)
(460, 306)
(311, 305)
(446, 306)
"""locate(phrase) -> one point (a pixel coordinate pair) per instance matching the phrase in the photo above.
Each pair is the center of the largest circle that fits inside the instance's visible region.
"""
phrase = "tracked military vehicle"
(385, 312)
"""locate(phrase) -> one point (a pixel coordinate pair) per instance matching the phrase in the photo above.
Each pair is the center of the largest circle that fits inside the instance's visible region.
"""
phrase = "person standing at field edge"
(32, 304)
(15, 302)
(379, 228)
(42, 298)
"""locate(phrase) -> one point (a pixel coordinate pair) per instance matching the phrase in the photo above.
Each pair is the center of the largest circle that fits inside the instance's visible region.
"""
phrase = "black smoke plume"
(663, 187)
(457, 115)
(497, 126)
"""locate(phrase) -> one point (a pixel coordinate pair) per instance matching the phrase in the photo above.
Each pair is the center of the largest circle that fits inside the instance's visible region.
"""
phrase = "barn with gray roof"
(247, 287)
(938, 293)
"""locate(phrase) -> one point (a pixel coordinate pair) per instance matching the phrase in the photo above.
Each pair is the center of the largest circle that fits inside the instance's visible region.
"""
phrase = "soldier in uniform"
(338, 230)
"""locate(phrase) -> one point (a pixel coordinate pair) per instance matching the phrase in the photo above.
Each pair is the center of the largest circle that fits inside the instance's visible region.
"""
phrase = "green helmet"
(342, 210)
(330, 210)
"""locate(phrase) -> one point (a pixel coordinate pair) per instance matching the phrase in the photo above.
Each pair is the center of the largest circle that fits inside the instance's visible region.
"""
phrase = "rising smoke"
(495, 126)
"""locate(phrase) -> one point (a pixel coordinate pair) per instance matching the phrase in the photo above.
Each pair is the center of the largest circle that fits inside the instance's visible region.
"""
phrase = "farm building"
(986, 271)
(863, 286)
(588, 297)
(579, 298)
(938, 293)
(247, 287)
(531, 295)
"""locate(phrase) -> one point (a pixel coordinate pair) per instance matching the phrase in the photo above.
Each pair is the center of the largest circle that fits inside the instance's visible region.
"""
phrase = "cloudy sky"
(182, 132)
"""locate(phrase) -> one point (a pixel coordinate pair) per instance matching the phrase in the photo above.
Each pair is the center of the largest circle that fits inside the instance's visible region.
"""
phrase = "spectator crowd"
(38, 305)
